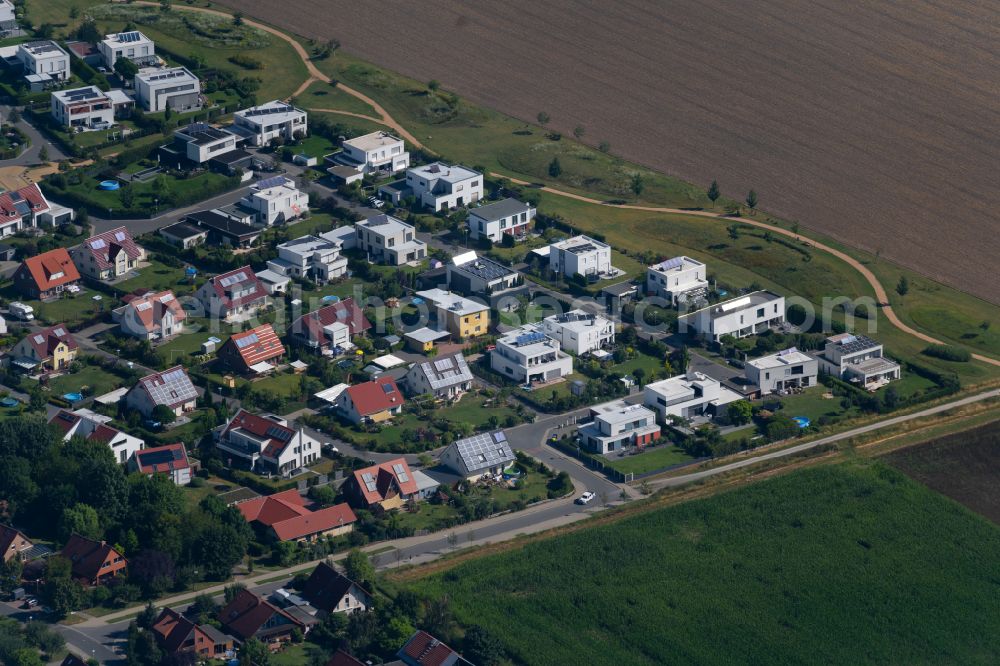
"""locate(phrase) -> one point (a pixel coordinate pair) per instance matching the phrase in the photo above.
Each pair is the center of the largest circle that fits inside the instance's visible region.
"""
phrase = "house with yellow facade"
(47, 350)
(462, 317)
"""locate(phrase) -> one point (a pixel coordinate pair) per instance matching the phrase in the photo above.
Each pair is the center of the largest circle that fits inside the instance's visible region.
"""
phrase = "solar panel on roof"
(142, 307)
(16, 196)
(120, 236)
(388, 388)
(39, 339)
(786, 352)
(248, 340)
(530, 338)
(279, 433)
(98, 244)
(233, 279)
(676, 262)
(401, 472)
(166, 298)
(59, 332)
(274, 181)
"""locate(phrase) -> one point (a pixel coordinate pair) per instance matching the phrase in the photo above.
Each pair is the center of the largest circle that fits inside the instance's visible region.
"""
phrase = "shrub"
(948, 353)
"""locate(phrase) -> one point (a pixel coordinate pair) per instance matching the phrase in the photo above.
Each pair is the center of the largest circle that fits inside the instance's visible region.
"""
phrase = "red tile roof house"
(341, 658)
(152, 316)
(249, 616)
(284, 517)
(233, 296)
(424, 650)
(175, 633)
(330, 326)
(172, 388)
(387, 485)
(94, 428)
(371, 402)
(332, 592)
(253, 352)
(266, 444)
(171, 460)
(21, 209)
(46, 276)
(94, 562)
(12, 543)
(108, 256)
(52, 348)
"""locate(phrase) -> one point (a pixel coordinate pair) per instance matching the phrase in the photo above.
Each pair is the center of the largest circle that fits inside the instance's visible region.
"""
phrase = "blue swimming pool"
(109, 185)
(73, 397)
(9, 402)
(802, 421)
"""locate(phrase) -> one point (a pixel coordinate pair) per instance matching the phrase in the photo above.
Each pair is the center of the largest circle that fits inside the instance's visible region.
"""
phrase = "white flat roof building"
(201, 142)
(528, 355)
(132, 45)
(471, 274)
(581, 255)
(275, 200)
(7, 13)
(687, 396)
(377, 152)
(507, 217)
(44, 58)
(788, 369)
(389, 240)
(679, 280)
(739, 317)
(616, 425)
(174, 87)
(441, 186)
(858, 359)
(260, 124)
(84, 108)
(579, 332)
(310, 257)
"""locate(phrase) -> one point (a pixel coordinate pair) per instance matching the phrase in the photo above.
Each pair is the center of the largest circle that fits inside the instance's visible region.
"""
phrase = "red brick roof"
(165, 459)
(87, 555)
(172, 629)
(257, 345)
(149, 309)
(279, 436)
(341, 658)
(378, 482)
(46, 340)
(375, 396)
(285, 513)
(50, 269)
(346, 311)
(424, 649)
(29, 194)
(105, 247)
(273, 508)
(237, 280)
(247, 614)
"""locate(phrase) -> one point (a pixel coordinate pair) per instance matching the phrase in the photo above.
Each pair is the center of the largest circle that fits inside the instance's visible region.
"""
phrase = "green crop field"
(841, 564)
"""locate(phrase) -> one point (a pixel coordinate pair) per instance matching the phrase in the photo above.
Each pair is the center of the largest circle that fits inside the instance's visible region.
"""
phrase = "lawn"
(315, 146)
(67, 310)
(654, 459)
(829, 565)
(812, 405)
(157, 276)
(196, 331)
(145, 195)
(325, 96)
(100, 381)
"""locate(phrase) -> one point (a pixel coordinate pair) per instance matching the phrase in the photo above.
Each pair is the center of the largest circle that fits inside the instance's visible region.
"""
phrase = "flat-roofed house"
(132, 45)
(44, 63)
(472, 275)
(389, 240)
(581, 255)
(82, 108)
(528, 355)
(462, 317)
(483, 454)
(310, 257)
(197, 144)
(617, 426)
(579, 332)
(687, 396)
(858, 359)
(171, 388)
(377, 152)
(739, 317)
(441, 186)
(678, 280)
(172, 87)
(275, 201)
(108, 256)
(507, 217)
(265, 122)
(223, 229)
(788, 369)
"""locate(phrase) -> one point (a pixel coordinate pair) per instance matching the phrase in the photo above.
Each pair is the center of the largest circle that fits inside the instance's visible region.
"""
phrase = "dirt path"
(352, 114)
(880, 293)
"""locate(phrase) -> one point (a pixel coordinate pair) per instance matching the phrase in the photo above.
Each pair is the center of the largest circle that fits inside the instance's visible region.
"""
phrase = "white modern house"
(678, 280)
(43, 62)
(470, 274)
(616, 426)
(377, 152)
(388, 240)
(444, 377)
(579, 332)
(82, 108)
(739, 317)
(275, 201)
(132, 45)
(788, 369)
(581, 255)
(687, 396)
(174, 87)
(309, 257)
(485, 454)
(528, 355)
(858, 359)
(440, 186)
(8, 14)
(266, 443)
(200, 142)
(507, 217)
(275, 119)
(94, 427)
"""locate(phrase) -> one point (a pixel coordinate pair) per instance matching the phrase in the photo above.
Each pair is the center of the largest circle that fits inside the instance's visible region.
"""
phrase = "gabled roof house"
(52, 348)
(172, 388)
(233, 296)
(387, 485)
(47, 275)
(256, 351)
(108, 256)
(249, 616)
(266, 443)
(284, 516)
(154, 316)
(94, 428)
(332, 592)
(171, 460)
(175, 633)
(93, 562)
(330, 326)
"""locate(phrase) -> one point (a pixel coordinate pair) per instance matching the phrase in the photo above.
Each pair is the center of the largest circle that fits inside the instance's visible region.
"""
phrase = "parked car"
(586, 498)
(30, 602)
(330, 447)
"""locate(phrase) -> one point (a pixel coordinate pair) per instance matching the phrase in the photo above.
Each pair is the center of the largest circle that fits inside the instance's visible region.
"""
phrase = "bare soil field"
(964, 466)
(873, 122)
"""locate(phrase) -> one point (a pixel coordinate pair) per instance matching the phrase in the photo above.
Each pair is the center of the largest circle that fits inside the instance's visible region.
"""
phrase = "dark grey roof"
(485, 268)
(202, 134)
(209, 219)
(232, 157)
(500, 209)
(183, 230)
(619, 289)
(484, 450)
(857, 343)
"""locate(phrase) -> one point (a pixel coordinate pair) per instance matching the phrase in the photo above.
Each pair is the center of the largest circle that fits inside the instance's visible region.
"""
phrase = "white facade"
(132, 45)
(527, 355)
(446, 377)
(7, 12)
(88, 424)
(580, 255)
(310, 257)
(858, 359)
(508, 217)
(378, 152)
(677, 280)
(738, 317)
(388, 240)
(687, 396)
(275, 119)
(439, 186)
(174, 87)
(84, 108)
(275, 202)
(615, 426)
(579, 332)
(45, 58)
(202, 142)
(785, 370)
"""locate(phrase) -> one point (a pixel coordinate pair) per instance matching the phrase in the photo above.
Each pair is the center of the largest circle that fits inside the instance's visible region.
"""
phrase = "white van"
(22, 311)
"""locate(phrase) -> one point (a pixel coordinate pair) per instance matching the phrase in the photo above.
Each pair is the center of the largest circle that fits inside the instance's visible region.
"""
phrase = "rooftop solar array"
(400, 471)
(369, 480)
(59, 332)
(569, 317)
(447, 371)
(129, 37)
(250, 339)
(857, 343)
(268, 110)
(82, 94)
(789, 351)
(530, 338)
(160, 456)
(274, 181)
(670, 264)
(233, 279)
(487, 449)
(279, 433)
(171, 387)
(486, 269)
(145, 305)
(98, 244)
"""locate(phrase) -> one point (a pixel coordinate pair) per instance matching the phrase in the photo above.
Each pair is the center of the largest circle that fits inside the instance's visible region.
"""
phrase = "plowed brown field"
(874, 122)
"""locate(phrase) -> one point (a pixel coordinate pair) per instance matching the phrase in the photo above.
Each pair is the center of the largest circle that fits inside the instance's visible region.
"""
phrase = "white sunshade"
(388, 361)
(331, 394)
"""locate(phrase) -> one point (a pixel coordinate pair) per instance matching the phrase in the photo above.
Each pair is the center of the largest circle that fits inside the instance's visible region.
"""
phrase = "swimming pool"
(73, 397)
